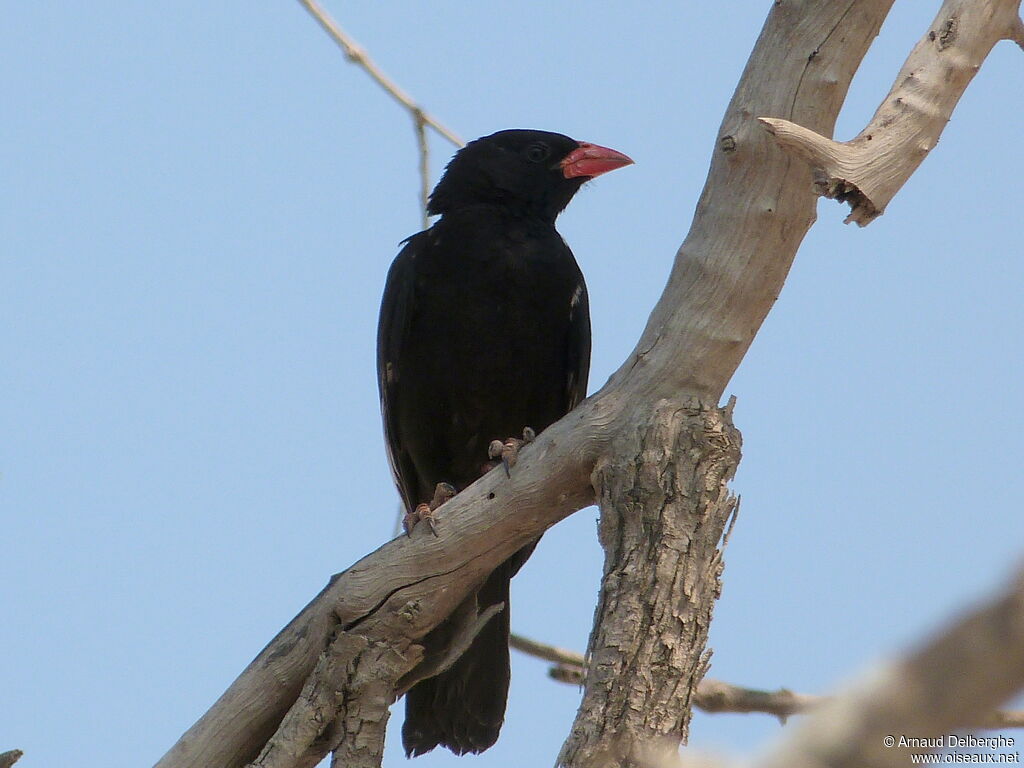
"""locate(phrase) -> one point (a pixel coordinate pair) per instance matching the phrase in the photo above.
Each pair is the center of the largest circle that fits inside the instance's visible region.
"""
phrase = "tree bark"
(343, 706)
(664, 509)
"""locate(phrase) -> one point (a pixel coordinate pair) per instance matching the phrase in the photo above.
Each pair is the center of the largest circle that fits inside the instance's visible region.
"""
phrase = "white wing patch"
(577, 294)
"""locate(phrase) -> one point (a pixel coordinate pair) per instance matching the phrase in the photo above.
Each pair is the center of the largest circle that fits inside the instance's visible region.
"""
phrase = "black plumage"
(484, 330)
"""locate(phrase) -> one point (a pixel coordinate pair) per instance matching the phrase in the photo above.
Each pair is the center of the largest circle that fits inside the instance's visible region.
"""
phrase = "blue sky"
(200, 203)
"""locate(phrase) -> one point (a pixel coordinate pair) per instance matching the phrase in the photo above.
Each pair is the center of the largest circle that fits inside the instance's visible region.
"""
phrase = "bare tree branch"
(403, 589)
(714, 696)
(546, 652)
(347, 695)
(870, 169)
(711, 695)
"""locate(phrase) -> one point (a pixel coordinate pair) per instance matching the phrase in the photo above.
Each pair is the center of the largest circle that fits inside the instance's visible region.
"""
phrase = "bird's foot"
(508, 451)
(442, 493)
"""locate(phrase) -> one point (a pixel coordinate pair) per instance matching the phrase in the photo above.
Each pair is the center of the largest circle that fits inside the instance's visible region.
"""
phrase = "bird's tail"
(463, 707)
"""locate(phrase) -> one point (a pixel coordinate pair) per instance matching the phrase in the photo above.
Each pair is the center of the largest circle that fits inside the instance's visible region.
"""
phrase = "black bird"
(484, 330)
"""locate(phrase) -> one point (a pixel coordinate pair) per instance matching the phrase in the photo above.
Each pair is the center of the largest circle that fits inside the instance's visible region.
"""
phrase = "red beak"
(592, 160)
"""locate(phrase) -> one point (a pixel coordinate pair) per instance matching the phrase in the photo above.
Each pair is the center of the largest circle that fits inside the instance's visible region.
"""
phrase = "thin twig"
(546, 652)
(355, 54)
(424, 149)
(421, 120)
(715, 696)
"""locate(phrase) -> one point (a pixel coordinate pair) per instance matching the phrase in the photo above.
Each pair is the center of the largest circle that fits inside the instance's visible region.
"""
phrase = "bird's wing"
(578, 351)
(396, 311)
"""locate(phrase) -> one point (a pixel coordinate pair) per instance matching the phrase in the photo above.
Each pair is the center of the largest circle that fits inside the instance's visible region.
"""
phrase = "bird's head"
(534, 172)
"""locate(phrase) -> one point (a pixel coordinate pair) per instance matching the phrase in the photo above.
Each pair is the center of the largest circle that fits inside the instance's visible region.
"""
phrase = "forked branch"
(421, 120)
(871, 168)
(355, 54)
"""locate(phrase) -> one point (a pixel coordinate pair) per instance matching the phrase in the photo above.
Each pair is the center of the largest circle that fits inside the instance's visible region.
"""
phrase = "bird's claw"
(508, 451)
(442, 493)
(422, 512)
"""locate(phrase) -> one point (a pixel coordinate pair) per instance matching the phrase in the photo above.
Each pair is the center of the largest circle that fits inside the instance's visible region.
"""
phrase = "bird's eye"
(536, 153)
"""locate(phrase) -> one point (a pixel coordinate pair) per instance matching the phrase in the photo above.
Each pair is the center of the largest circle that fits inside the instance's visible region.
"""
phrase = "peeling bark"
(343, 706)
